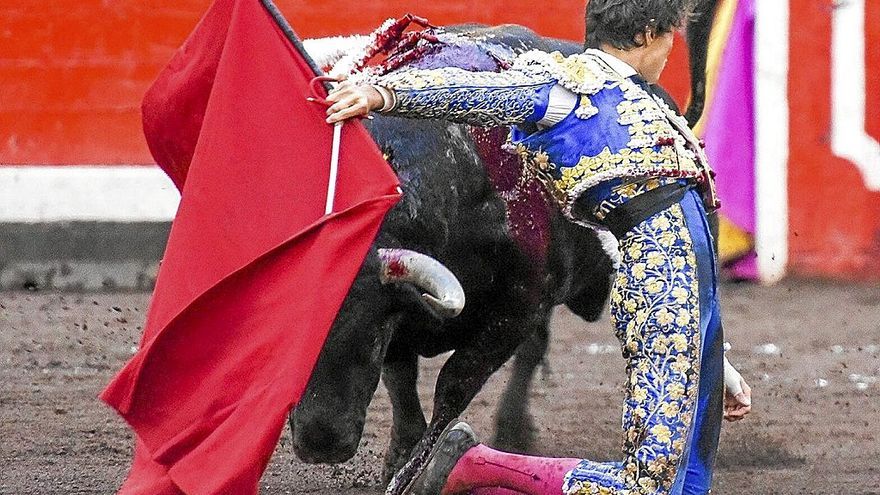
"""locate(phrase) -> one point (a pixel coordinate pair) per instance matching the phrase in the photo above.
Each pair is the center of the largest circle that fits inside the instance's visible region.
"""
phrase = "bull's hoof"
(428, 476)
(395, 458)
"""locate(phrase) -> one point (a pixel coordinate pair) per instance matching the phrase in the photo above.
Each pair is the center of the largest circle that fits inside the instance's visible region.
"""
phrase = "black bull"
(514, 270)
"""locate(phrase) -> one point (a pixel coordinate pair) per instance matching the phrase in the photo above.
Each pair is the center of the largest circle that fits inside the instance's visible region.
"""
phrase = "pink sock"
(484, 467)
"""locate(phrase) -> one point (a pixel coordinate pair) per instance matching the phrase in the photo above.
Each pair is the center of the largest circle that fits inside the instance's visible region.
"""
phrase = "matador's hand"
(737, 394)
(350, 101)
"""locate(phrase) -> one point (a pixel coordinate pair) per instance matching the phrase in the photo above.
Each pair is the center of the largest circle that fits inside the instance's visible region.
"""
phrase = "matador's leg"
(665, 311)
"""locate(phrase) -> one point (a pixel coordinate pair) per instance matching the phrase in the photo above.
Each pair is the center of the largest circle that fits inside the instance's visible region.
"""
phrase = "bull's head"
(329, 420)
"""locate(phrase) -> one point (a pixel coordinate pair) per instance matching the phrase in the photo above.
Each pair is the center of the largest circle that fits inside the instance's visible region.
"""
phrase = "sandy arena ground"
(811, 352)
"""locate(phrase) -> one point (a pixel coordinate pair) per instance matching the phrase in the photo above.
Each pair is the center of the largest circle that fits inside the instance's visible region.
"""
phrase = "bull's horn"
(443, 292)
(698, 30)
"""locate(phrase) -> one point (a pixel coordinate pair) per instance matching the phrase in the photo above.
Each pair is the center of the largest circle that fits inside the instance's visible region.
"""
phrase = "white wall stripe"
(771, 137)
(33, 194)
(849, 137)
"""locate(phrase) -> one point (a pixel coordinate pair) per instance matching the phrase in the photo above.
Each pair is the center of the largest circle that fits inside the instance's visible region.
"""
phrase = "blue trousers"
(664, 307)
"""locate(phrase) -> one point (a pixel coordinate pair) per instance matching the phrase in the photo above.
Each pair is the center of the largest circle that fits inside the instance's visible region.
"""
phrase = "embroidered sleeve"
(477, 98)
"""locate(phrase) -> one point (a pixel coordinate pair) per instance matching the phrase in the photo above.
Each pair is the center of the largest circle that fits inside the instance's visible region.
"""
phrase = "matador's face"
(656, 53)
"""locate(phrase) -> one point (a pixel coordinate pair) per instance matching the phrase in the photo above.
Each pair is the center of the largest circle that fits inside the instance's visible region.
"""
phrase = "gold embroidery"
(640, 162)
(585, 108)
(580, 73)
(658, 281)
(477, 98)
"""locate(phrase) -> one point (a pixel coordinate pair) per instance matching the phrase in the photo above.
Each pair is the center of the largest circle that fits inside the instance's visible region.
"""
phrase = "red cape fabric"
(254, 273)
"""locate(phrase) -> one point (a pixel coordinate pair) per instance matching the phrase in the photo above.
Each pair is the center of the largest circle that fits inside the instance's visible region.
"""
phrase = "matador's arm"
(478, 98)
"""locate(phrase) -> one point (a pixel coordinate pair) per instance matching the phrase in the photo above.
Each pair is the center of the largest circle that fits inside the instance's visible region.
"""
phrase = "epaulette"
(580, 73)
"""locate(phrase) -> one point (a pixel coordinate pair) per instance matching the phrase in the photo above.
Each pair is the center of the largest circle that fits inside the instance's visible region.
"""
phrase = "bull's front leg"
(400, 374)
(462, 376)
(514, 430)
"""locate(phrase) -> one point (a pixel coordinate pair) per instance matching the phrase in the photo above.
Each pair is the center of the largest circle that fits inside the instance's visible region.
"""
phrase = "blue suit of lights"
(616, 128)
(594, 136)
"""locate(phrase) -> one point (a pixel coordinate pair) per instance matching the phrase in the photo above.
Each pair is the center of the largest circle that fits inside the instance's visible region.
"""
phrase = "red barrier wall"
(834, 218)
(72, 73)
(872, 59)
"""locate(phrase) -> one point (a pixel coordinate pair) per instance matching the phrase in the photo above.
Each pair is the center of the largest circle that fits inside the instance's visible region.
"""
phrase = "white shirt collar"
(624, 69)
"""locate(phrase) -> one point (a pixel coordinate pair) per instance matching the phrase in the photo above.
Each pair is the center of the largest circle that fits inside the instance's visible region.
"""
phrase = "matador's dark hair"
(617, 22)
